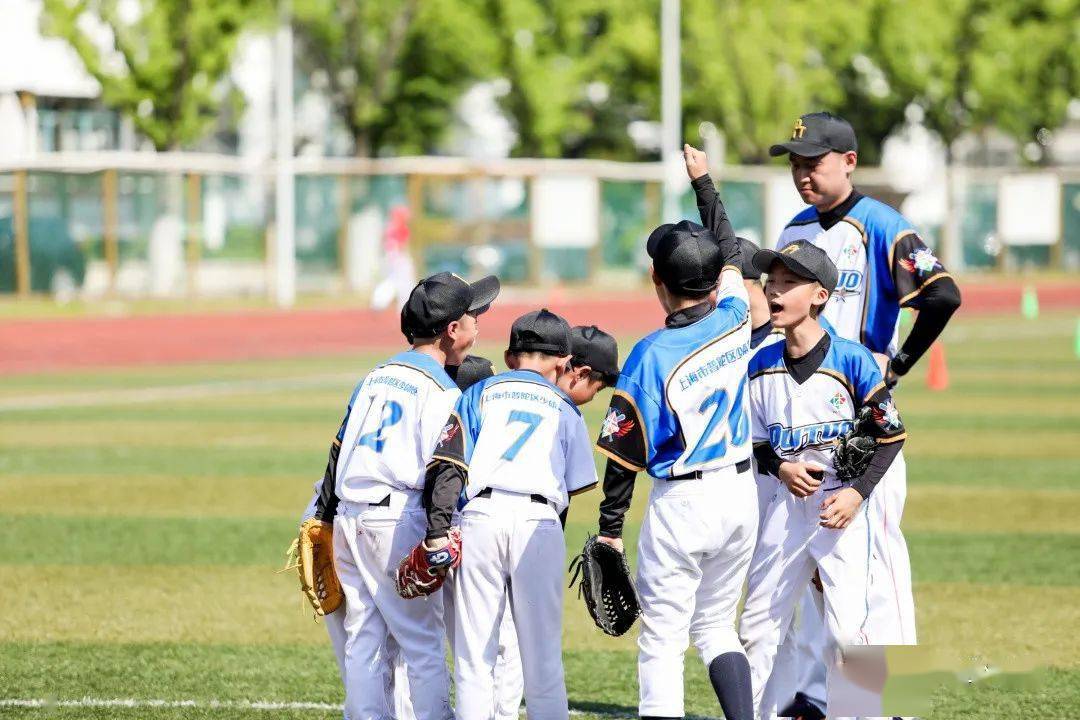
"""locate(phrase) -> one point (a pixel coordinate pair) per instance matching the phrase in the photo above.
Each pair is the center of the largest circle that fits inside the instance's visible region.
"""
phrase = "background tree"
(393, 68)
(579, 72)
(753, 66)
(975, 64)
(166, 61)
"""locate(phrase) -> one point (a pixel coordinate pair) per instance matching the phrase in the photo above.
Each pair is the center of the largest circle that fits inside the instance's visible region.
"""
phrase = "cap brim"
(799, 147)
(763, 260)
(484, 292)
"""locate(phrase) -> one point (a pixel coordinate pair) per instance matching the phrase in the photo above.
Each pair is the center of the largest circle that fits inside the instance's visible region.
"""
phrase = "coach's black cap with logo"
(441, 299)
(686, 257)
(540, 331)
(592, 346)
(802, 258)
(817, 133)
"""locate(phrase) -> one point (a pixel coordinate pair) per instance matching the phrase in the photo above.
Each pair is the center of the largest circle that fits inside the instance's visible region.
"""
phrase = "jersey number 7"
(732, 420)
(531, 420)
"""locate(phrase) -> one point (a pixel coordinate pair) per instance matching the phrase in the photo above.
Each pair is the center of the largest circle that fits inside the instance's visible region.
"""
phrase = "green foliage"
(578, 73)
(164, 67)
(393, 68)
(972, 64)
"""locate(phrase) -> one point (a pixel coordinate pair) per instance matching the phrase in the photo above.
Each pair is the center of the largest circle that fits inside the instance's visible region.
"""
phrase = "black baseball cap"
(592, 346)
(686, 257)
(472, 370)
(444, 297)
(748, 249)
(817, 133)
(540, 331)
(802, 258)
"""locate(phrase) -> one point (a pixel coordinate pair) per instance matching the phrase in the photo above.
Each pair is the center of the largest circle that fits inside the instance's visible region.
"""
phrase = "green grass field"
(141, 532)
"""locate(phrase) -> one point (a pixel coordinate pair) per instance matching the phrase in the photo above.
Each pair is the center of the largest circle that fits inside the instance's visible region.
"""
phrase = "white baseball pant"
(693, 553)
(512, 560)
(369, 542)
(509, 684)
(791, 547)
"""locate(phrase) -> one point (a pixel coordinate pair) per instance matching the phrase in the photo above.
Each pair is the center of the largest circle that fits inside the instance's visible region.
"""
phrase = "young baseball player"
(679, 412)
(804, 393)
(372, 489)
(519, 446)
(883, 266)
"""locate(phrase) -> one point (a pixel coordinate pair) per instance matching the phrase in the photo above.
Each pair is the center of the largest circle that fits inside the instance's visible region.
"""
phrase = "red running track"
(29, 346)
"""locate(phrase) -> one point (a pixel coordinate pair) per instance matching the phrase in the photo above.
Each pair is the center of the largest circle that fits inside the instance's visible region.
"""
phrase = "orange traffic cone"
(937, 374)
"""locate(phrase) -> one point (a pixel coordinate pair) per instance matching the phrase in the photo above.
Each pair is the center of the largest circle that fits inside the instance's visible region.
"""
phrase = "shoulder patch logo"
(922, 261)
(852, 249)
(887, 413)
(448, 432)
(615, 425)
(839, 401)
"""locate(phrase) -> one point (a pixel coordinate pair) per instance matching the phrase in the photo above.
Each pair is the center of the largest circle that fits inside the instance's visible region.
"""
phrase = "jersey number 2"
(531, 420)
(736, 420)
(391, 414)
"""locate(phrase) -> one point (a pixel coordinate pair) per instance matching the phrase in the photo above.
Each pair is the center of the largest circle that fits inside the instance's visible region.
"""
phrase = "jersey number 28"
(727, 417)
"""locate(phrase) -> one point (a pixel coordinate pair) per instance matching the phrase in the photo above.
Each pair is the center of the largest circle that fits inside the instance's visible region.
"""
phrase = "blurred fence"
(95, 224)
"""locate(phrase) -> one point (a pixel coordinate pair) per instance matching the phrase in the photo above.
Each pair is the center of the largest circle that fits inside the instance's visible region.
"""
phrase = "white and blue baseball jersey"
(680, 404)
(391, 427)
(883, 266)
(801, 422)
(518, 432)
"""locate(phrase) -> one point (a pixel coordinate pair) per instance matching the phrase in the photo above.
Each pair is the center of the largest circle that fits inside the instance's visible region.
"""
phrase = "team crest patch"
(851, 250)
(887, 413)
(448, 433)
(615, 425)
(839, 401)
(921, 261)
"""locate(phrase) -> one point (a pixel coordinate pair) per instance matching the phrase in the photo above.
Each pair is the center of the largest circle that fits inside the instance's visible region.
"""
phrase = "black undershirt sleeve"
(880, 461)
(936, 304)
(327, 502)
(714, 216)
(618, 492)
(767, 459)
(442, 488)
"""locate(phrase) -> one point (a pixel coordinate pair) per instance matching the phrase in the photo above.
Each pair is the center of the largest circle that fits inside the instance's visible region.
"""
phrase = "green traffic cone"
(1029, 303)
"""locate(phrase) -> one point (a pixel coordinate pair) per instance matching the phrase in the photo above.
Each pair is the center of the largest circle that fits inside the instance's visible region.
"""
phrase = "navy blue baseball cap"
(593, 347)
(540, 331)
(804, 259)
(686, 257)
(472, 370)
(441, 299)
(818, 133)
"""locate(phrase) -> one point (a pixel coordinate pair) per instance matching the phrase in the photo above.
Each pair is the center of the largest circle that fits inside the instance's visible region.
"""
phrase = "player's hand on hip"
(838, 510)
(616, 543)
(801, 479)
(697, 163)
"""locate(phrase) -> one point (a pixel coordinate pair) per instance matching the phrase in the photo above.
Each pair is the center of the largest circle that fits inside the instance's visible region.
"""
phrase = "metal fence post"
(22, 238)
(110, 234)
(194, 217)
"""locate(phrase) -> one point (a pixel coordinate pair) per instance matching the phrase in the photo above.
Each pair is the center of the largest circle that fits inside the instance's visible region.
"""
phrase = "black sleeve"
(767, 459)
(937, 302)
(887, 426)
(881, 460)
(618, 492)
(714, 216)
(442, 488)
(327, 502)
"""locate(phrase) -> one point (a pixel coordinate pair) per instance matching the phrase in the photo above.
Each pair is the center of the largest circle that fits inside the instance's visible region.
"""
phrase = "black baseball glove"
(606, 584)
(856, 447)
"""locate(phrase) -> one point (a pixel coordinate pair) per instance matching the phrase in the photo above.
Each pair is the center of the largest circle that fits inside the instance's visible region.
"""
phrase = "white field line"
(128, 396)
(89, 702)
